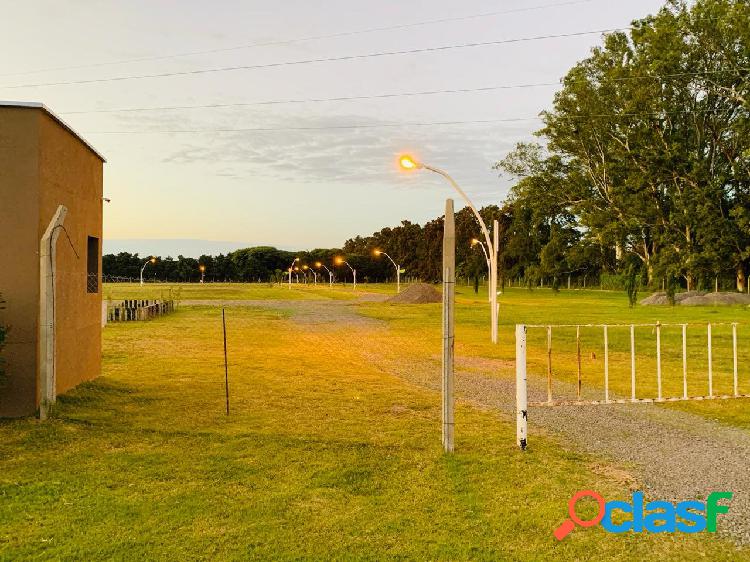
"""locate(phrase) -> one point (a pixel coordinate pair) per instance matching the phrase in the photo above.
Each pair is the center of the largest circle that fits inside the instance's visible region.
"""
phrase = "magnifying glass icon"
(569, 524)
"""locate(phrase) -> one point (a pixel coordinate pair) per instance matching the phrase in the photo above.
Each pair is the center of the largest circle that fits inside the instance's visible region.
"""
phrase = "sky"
(299, 174)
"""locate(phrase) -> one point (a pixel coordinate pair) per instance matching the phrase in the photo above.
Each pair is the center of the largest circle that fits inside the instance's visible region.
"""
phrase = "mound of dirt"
(419, 293)
(698, 298)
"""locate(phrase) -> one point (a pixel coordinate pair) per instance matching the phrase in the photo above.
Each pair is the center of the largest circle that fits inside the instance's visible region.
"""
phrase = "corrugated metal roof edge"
(37, 105)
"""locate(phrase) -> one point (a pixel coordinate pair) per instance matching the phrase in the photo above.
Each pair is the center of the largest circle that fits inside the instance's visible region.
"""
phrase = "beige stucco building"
(44, 164)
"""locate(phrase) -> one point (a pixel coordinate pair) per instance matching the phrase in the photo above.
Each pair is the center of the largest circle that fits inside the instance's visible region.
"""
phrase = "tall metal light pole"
(315, 274)
(203, 271)
(398, 268)
(291, 267)
(474, 242)
(152, 259)
(330, 273)
(408, 163)
(339, 261)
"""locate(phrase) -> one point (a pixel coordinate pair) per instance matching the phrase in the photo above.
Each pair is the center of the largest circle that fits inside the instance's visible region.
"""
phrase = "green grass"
(324, 455)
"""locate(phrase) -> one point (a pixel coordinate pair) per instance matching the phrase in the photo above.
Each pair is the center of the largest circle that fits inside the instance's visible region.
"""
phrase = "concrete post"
(449, 281)
(46, 353)
(522, 407)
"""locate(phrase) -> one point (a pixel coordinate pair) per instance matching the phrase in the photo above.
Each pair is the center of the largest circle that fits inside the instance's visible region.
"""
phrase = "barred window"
(92, 265)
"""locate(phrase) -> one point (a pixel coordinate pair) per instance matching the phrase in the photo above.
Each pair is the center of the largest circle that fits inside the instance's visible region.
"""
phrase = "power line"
(317, 100)
(320, 60)
(303, 39)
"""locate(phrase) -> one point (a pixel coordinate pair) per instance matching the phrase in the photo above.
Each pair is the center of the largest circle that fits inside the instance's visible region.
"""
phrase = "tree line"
(641, 176)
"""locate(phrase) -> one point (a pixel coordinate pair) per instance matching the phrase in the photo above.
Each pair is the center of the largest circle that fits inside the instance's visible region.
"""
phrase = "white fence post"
(521, 395)
(606, 365)
(710, 365)
(632, 363)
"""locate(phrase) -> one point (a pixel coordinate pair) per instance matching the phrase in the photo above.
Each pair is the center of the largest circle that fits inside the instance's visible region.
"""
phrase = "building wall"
(19, 256)
(47, 166)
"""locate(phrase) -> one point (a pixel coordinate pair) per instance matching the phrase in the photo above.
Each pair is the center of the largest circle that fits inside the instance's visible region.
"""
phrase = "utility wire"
(380, 96)
(303, 39)
(319, 60)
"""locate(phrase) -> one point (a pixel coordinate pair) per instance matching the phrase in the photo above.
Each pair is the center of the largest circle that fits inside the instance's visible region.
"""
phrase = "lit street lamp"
(341, 260)
(474, 242)
(330, 273)
(315, 273)
(152, 259)
(398, 268)
(291, 267)
(203, 271)
(409, 164)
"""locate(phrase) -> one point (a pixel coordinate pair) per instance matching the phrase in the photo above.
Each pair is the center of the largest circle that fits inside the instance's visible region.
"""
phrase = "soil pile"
(419, 293)
(698, 298)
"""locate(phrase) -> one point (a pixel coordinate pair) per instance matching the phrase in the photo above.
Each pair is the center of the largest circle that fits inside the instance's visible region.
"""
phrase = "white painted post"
(449, 280)
(606, 365)
(549, 364)
(632, 363)
(658, 360)
(684, 362)
(46, 349)
(521, 395)
(734, 356)
(710, 365)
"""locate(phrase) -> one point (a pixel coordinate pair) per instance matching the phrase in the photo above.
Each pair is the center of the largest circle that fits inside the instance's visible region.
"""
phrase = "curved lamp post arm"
(390, 258)
(466, 200)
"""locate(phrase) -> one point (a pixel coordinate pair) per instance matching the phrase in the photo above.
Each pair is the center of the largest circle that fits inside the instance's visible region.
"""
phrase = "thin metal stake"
(226, 365)
(710, 366)
(578, 354)
(684, 361)
(632, 363)
(549, 364)
(606, 365)
(734, 354)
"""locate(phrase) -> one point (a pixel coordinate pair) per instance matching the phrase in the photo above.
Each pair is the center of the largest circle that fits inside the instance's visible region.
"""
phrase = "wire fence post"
(549, 364)
(658, 360)
(734, 357)
(449, 280)
(606, 365)
(521, 395)
(684, 362)
(578, 356)
(632, 363)
(710, 365)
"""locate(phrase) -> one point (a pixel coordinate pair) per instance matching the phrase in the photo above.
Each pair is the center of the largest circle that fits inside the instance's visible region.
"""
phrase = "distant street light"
(474, 242)
(339, 261)
(290, 271)
(152, 259)
(330, 273)
(315, 273)
(398, 268)
(203, 271)
(296, 274)
(408, 163)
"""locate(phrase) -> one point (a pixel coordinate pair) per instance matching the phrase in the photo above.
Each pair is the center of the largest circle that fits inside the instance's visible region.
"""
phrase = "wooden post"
(449, 280)
(549, 364)
(658, 360)
(521, 394)
(46, 349)
(710, 365)
(606, 365)
(734, 356)
(578, 356)
(226, 364)
(684, 362)
(632, 363)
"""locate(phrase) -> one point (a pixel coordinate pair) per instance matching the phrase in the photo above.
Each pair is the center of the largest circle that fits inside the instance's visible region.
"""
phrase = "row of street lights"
(152, 260)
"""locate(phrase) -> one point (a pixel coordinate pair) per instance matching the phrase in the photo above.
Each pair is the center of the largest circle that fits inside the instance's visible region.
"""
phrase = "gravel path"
(674, 455)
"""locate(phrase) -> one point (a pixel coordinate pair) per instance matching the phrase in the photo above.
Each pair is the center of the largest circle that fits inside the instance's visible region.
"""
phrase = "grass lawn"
(324, 455)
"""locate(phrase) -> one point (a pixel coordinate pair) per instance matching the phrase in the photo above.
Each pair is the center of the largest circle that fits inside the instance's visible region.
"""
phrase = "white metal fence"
(523, 404)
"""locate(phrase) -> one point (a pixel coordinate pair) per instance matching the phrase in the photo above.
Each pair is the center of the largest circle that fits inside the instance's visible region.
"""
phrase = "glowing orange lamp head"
(474, 242)
(377, 252)
(339, 260)
(408, 163)
(202, 267)
(318, 264)
(152, 260)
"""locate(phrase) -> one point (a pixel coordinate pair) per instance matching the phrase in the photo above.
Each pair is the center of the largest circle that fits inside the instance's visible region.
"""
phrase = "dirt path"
(675, 455)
